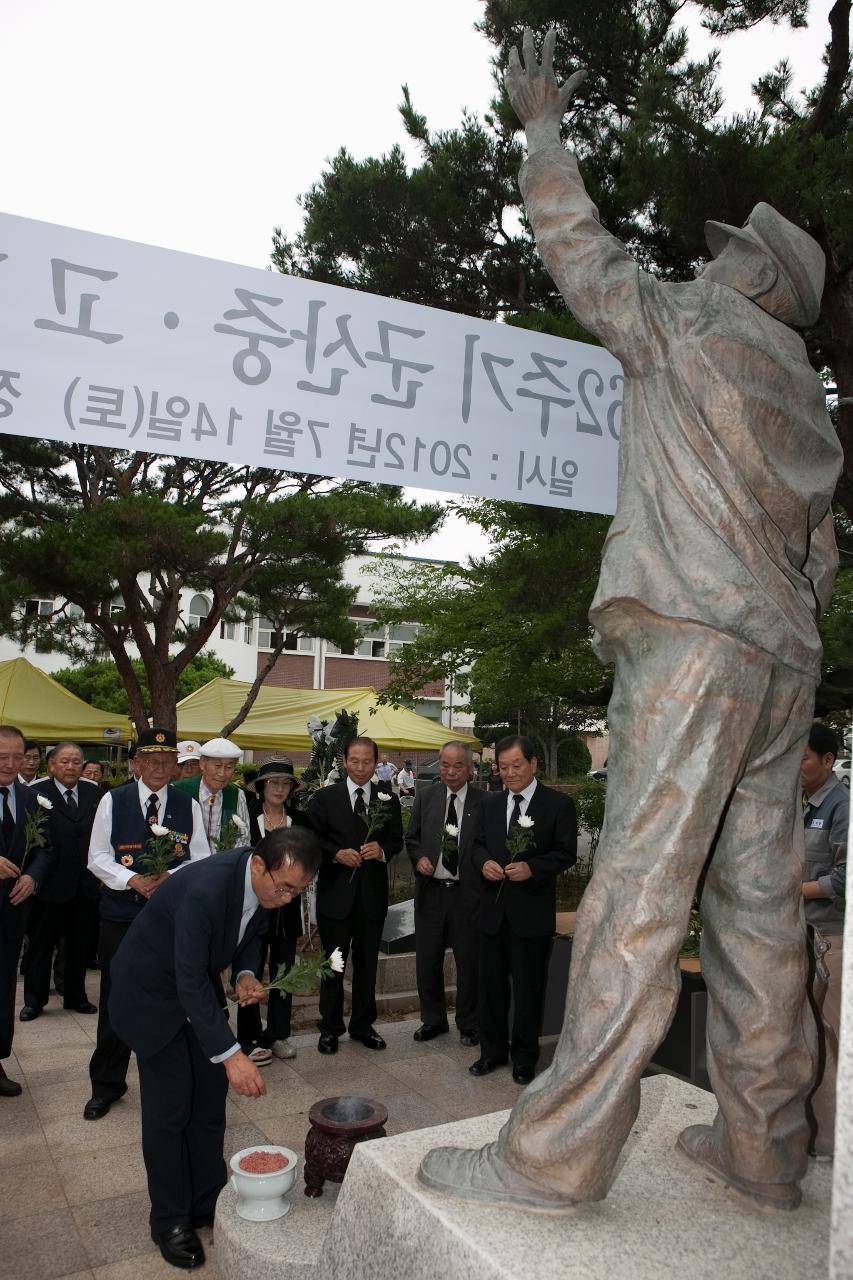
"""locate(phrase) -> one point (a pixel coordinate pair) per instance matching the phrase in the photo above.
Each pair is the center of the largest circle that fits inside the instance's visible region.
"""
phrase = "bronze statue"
(719, 559)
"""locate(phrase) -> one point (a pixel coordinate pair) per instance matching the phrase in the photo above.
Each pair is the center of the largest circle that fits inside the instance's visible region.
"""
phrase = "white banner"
(115, 343)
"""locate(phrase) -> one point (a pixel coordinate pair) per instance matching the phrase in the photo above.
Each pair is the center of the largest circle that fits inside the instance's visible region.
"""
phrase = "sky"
(196, 124)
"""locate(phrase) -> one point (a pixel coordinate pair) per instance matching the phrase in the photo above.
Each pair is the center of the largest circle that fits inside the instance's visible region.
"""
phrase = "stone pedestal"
(663, 1218)
(289, 1246)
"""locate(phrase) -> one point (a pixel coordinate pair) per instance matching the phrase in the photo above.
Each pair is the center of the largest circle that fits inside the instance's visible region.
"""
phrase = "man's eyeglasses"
(283, 890)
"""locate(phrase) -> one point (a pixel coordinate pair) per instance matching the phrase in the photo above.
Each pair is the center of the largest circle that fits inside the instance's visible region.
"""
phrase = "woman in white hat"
(274, 788)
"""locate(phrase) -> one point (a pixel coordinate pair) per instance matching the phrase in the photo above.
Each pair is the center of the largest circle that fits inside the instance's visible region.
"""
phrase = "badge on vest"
(816, 824)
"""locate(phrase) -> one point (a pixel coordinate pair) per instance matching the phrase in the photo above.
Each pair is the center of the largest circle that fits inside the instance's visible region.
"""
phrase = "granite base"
(663, 1218)
(289, 1246)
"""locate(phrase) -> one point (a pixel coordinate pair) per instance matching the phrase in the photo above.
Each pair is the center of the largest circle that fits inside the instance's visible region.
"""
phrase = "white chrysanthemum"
(336, 960)
(383, 796)
(450, 830)
(44, 802)
(525, 822)
(157, 830)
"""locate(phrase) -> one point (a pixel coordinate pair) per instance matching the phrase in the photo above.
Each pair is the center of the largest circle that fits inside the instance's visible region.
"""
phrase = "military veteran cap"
(221, 749)
(157, 740)
(189, 749)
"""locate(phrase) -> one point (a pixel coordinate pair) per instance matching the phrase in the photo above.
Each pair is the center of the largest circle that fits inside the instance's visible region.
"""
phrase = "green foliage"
(330, 740)
(118, 536)
(835, 693)
(589, 797)
(573, 758)
(100, 684)
(510, 628)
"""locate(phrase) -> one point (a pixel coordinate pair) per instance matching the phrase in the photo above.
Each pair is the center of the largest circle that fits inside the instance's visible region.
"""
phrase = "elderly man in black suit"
(67, 905)
(164, 1004)
(21, 874)
(518, 904)
(446, 892)
(352, 889)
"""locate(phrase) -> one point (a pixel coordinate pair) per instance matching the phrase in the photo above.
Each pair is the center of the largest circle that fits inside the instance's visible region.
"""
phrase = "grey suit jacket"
(423, 837)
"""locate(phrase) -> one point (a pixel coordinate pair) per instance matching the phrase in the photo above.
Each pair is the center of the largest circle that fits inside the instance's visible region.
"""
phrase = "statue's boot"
(483, 1175)
(697, 1143)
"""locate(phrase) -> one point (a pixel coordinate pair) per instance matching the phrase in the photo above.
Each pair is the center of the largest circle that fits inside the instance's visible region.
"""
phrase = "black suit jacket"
(530, 906)
(38, 863)
(337, 827)
(165, 968)
(423, 836)
(286, 921)
(69, 839)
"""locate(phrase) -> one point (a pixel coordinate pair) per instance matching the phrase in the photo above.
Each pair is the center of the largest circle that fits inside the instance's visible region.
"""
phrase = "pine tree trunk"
(163, 687)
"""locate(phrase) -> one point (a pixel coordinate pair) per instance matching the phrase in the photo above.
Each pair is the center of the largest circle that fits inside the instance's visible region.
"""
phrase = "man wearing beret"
(222, 803)
(121, 839)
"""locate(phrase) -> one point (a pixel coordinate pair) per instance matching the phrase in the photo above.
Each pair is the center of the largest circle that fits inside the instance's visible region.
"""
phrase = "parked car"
(841, 769)
(427, 774)
(600, 775)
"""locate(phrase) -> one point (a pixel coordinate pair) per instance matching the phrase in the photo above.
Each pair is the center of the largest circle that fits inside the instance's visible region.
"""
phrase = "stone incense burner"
(337, 1126)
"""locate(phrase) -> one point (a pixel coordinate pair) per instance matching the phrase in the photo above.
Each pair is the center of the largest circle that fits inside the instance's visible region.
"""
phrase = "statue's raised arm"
(537, 99)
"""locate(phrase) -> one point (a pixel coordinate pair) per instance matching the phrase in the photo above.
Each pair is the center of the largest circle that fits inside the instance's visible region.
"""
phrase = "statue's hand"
(538, 100)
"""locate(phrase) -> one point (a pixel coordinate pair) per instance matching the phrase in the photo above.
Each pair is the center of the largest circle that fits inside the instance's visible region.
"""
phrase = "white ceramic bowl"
(260, 1196)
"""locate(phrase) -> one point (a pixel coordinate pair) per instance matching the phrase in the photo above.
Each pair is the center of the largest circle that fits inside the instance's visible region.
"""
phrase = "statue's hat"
(798, 257)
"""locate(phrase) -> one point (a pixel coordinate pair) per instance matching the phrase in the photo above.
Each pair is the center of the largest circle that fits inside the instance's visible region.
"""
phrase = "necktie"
(516, 813)
(71, 803)
(151, 809)
(450, 861)
(8, 822)
(359, 808)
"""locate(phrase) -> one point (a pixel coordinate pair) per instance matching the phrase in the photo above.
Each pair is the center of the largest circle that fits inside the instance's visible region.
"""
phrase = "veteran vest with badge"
(230, 795)
(130, 841)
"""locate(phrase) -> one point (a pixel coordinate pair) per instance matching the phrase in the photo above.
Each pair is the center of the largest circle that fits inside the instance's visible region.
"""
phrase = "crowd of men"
(81, 861)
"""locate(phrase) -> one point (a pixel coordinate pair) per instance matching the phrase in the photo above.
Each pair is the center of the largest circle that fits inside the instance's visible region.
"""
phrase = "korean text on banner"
(120, 344)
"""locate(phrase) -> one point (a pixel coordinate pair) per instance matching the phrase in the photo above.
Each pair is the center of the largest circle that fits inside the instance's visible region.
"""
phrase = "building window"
(227, 630)
(401, 635)
(199, 609)
(38, 608)
(370, 644)
(248, 633)
(268, 637)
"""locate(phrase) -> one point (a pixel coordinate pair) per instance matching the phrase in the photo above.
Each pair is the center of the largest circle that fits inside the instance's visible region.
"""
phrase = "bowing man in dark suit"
(66, 907)
(164, 1005)
(446, 892)
(518, 905)
(352, 890)
(21, 875)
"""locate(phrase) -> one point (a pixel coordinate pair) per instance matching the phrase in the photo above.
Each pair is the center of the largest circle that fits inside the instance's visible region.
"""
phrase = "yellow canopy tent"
(278, 718)
(43, 710)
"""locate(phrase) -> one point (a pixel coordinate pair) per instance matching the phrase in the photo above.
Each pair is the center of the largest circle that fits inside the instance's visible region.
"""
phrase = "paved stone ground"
(74, 1202)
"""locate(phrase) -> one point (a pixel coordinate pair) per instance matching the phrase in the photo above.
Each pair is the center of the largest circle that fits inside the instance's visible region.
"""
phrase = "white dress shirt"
(250, 906)
(526, 795)
(102, 860)
(366, 788)
(441, 872)
(211, 807)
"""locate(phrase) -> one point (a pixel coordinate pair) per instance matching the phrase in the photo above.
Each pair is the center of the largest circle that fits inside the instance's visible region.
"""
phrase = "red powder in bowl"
(264, 1162)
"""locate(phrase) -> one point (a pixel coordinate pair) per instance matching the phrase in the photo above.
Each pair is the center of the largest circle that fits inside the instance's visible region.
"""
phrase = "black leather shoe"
(204, 1220)
(429, 1031)
(470, 1039)
(327, 1044)
(371, 1041)
(180, 1246)
(485, 1066)
(523, 1075)
(9, 1088)
(97, 1108)
(29, 1014)
(85, 1007)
